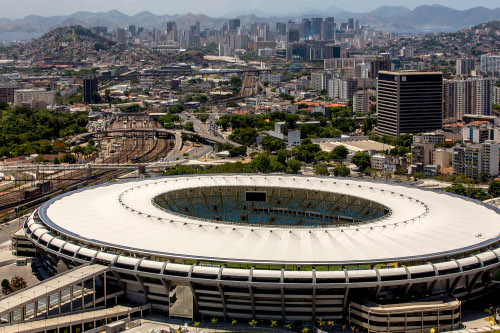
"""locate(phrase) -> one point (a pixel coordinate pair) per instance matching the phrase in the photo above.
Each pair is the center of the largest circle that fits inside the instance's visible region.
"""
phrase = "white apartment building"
(490, 63)
(465, 66)
(496, 95)
(471, 96)
(37, 96)
(342, 88)
(361, 102)
(474, 159)
(273, 79)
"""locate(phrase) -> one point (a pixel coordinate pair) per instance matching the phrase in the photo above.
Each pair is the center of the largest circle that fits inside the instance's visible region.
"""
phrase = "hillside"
(73, 44)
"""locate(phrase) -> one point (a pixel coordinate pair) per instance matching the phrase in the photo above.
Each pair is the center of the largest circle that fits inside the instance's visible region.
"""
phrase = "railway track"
(145, 150)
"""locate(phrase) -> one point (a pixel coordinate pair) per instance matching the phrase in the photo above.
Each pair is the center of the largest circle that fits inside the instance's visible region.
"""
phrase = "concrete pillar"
(83, 295)
(71, 298)
(35, 309)
(105, 291)
(93, 290)
(59, 300)
(23, 313)
(47, 305)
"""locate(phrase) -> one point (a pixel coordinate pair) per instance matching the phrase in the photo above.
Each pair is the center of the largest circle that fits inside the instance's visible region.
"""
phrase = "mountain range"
(382, 17)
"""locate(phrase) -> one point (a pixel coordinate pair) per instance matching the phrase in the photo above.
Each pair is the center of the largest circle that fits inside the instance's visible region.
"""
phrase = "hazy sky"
(20, 8)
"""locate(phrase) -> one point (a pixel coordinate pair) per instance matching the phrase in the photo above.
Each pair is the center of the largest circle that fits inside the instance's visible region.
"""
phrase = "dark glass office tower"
(409, 102)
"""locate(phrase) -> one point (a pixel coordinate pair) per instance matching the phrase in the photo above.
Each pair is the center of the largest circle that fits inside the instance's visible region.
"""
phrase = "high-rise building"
(280, 28)
(292, 33)
(464, 66)
(328, 29)
(90, 85)
(490, 63)
(471, 96)
(361, 102)
(233, 25)
(133, 30)
(409, 102)
(332, 51)
(121, 35)
(342, 88)
(316, 24)
(306, 27)
(379, 64)
(36, 98)
(319, 81)
(7, 91)
(474, 159)
(496, 95)
(350, 24)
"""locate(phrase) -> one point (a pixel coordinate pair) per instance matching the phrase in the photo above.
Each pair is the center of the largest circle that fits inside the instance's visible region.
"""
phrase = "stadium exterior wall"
(267, 294)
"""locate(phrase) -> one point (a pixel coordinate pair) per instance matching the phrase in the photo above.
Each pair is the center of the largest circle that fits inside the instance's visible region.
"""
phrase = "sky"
(217, 8)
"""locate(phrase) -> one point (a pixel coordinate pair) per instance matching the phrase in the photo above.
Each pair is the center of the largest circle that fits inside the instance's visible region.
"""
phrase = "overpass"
(157, 132)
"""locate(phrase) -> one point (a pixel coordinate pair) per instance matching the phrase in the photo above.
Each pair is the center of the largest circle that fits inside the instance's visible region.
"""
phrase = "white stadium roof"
(422, 223)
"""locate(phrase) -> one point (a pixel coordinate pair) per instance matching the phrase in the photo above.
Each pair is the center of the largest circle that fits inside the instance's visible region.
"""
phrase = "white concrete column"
(93, 289)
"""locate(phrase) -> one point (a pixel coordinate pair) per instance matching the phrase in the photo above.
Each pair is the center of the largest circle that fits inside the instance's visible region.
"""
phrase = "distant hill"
(385, 16)
(72, 44)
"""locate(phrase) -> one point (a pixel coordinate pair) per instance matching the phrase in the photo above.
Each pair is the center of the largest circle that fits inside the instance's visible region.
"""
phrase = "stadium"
(385, 257)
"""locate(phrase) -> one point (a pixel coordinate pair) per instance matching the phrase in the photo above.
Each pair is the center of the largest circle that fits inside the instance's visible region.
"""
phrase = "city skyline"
(218, 8)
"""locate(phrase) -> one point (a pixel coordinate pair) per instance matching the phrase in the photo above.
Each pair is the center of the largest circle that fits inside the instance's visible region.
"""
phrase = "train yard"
(27, 189)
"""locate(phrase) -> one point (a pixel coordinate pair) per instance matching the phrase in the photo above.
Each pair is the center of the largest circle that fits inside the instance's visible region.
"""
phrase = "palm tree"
(331, 323)
(253, 323)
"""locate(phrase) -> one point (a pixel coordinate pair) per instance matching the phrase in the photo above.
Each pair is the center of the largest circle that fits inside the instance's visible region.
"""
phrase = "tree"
(232, 104)
(293, 166)
(494, 188)
(291, 120)
(17, 283)
(484, 177)
(69, 158)
(277, 167)
(321, 169)
(457, 189)
(245, 136)
(341, 170)
(189, 126)
(419, 175)
(273, 144)
(341, 151)
(5, 286)
(96, 97)
(362, 160)
(235, 81)
(306, 151)
(261, 163)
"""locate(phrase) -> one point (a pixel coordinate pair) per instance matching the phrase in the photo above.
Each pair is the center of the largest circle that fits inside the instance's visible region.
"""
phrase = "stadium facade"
(382, 256)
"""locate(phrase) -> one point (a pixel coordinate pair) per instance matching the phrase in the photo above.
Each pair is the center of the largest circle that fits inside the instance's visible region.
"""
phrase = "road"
(9, 228)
